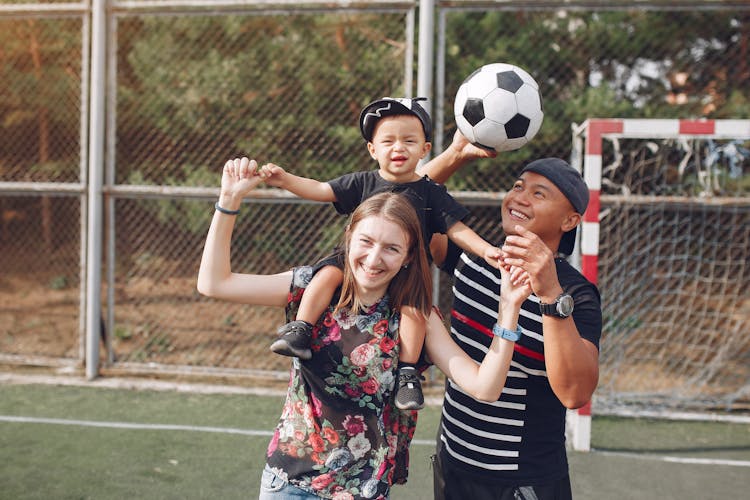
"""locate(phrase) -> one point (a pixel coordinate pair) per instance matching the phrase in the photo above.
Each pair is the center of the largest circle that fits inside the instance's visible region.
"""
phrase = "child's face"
(398, 143)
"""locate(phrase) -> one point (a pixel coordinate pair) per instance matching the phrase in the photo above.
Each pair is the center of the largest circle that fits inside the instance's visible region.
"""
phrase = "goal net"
(666, 239)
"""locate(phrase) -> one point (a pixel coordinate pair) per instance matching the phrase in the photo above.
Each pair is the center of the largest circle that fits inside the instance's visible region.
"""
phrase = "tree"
(621, 64)
(40, 97)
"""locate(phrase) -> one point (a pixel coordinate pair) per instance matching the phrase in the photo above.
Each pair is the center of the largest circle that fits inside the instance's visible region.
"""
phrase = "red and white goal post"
(587, 157)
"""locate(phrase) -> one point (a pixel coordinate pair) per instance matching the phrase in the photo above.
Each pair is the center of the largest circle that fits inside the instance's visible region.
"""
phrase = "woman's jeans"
(272, 487)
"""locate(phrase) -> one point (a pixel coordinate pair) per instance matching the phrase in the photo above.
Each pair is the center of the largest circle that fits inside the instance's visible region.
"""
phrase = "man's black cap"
(570, 182)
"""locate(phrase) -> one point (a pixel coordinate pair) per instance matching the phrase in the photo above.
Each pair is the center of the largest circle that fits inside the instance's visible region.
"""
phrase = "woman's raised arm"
(215, 276)
(483, 381)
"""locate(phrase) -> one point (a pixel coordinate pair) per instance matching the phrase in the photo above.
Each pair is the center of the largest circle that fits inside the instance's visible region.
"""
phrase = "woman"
(339, 435)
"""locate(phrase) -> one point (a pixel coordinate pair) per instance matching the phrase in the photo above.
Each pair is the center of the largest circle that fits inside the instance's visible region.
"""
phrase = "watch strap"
(548, 309)
(512, 335)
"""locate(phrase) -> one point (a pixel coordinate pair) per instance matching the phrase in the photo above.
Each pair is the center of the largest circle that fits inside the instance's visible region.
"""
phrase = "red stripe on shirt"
(525, 351)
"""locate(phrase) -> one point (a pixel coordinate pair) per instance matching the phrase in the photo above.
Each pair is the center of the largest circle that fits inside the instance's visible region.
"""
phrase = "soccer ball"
(499, 107)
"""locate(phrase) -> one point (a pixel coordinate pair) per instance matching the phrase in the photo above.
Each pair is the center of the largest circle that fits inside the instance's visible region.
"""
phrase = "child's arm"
(469, 241)
(309, 189)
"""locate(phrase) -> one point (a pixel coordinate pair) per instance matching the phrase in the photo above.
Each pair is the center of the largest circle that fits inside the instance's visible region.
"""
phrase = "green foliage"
(603, 64)
(123, 333)
(185, 214)
(40, 69)
(275, 87)
(53, 170)
(193, 90)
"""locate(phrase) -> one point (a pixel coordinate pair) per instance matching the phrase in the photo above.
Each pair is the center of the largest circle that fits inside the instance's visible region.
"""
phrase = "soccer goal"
(666, 238)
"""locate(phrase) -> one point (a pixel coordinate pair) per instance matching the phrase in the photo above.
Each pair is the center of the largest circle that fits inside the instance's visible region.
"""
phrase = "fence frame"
(110, 191)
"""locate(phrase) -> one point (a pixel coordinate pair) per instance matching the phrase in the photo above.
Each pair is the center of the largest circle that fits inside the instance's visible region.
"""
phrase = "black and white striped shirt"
(520, 438)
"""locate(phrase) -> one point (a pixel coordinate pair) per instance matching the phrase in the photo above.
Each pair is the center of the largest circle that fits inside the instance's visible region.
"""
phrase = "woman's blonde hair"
(412, 285)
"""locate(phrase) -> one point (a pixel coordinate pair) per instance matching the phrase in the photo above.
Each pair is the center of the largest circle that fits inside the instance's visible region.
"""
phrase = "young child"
(398, 134)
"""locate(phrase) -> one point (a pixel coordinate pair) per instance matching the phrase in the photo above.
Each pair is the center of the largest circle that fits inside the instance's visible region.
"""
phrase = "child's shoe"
(409, 389)
(294, 340)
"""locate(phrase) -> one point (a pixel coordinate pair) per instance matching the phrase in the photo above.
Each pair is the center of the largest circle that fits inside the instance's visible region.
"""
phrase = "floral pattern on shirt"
(339, 435)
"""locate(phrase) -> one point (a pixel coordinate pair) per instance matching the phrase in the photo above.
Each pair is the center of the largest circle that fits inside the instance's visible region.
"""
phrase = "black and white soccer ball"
(499, 107)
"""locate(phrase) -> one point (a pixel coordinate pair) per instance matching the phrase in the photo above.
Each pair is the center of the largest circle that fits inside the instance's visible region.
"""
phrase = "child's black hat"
(391, 106)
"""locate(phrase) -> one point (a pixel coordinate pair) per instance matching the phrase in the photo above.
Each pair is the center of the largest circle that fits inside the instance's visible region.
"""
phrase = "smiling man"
(514, 448)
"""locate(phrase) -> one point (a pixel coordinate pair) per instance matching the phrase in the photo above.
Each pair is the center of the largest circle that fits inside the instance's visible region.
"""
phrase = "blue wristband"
(511, 335)
(225, 211)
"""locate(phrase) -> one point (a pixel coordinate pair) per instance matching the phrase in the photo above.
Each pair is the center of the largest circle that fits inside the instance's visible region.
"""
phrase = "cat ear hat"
(392, 106)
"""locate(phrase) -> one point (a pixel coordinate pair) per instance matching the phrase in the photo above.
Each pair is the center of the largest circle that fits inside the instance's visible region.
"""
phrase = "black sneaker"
(294, 340)
(409, 390)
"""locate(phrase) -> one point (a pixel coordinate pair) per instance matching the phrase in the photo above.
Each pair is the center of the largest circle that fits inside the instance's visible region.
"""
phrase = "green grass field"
(73, 442)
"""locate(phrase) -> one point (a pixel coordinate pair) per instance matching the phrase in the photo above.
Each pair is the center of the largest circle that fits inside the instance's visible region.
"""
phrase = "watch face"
(565, 305)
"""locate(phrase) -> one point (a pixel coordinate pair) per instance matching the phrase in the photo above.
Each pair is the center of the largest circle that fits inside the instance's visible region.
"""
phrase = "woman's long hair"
(412, 286)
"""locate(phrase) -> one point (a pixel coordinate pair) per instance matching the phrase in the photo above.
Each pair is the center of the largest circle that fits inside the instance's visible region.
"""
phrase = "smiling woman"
(376, 253)
(340, 431)
(384, 241)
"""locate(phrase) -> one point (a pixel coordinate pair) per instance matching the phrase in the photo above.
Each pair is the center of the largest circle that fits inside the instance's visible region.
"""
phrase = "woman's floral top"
(339, 435)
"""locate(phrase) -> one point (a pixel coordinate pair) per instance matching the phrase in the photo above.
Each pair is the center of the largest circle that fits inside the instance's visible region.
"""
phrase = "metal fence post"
(425, 65)
(95, 212)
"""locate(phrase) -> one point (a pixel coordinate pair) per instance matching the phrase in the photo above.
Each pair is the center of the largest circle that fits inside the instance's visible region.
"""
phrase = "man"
(515, 448)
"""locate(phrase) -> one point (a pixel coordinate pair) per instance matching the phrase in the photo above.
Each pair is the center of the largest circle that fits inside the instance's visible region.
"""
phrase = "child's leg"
(411, 333)
(318, 294)
(294, 337)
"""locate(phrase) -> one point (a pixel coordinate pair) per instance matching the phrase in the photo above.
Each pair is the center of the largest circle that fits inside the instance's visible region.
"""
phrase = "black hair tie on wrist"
(225, 211)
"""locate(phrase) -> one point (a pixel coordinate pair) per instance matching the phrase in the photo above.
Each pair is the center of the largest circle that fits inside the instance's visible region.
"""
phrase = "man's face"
(536, 204)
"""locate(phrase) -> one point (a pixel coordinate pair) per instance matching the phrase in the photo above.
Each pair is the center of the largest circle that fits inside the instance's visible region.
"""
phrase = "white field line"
(678, 460)
(152, 385)
(132, 426)
(160, 385)
(266, 433)
(135, 384)
(153, 427)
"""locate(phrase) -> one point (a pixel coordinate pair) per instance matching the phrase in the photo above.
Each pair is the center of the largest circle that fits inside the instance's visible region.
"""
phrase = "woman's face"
(378, 249)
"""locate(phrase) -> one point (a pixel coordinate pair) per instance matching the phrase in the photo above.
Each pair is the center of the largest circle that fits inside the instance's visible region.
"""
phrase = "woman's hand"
(239, 177)
(515, 286)
(525, 250)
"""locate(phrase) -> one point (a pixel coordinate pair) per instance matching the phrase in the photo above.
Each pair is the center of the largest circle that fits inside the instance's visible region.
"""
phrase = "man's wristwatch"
(511, 335)
(562, 307)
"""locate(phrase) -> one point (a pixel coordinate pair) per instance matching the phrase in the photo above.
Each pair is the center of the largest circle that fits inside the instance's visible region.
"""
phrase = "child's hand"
(492, 256)
(239, 177)
(515, 285)
(273, 175)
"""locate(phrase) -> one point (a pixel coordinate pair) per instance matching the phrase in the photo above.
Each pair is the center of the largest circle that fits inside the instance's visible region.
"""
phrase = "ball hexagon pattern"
(499, 107)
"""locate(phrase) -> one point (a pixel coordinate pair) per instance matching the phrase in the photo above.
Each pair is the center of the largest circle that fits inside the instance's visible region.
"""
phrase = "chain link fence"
(190, 85)
(42, 177)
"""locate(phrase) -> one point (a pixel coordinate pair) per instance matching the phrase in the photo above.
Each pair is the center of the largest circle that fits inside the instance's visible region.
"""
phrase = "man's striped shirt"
(520, 438)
